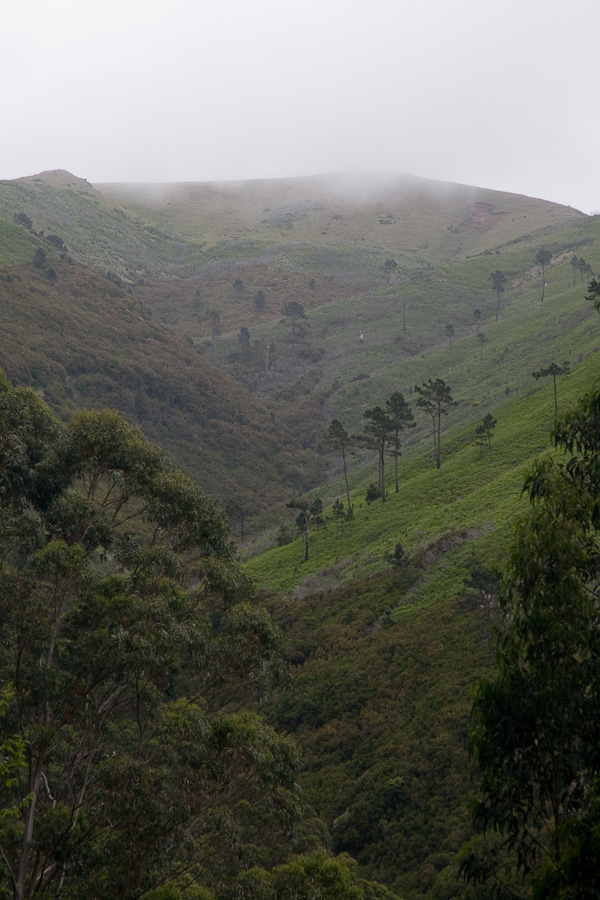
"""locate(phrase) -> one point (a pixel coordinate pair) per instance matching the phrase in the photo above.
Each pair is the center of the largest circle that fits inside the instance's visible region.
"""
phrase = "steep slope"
(81, 341)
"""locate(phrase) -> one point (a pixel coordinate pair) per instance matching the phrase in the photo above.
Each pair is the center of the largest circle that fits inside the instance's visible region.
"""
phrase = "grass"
(472, 494)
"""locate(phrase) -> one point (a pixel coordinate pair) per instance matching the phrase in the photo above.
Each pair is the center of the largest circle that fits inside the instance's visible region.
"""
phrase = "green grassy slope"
(96, 230)
(395, 212)
(403, 325)
(383, 662)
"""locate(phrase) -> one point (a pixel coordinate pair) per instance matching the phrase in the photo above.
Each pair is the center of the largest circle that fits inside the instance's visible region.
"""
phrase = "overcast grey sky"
(497, 93)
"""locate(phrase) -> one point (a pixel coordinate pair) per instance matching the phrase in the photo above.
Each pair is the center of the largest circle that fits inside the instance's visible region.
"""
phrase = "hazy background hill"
(82, 341)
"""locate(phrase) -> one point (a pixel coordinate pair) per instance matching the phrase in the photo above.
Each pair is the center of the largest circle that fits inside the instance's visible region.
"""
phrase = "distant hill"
(82, 341)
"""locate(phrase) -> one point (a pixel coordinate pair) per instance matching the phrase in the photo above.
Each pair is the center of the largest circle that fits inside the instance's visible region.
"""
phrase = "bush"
(373, 493)
(397, 558)
(39, 258)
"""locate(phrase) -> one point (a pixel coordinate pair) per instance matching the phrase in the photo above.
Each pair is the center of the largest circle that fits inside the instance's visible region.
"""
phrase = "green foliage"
(484, 432)
(400, 417)
(259, 302)
(285, 535)
(375, 435)
(293, 312)
(435, 398)
(373, 493)
(553, 369)
(317, 876)
(40, 258)
(309, 517)
(82, 342)
(486, 585)
(537, 728)
(23, 219)
(398, 557)
(390, 266)
(127, 627)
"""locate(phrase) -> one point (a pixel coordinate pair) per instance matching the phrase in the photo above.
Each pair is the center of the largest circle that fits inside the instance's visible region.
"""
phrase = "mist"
(498, 95)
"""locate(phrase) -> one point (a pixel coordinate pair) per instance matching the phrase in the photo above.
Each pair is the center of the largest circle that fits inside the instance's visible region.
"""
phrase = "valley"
(232, 323)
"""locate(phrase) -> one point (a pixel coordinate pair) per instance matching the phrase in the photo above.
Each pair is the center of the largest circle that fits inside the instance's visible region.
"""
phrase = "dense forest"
(298, 517)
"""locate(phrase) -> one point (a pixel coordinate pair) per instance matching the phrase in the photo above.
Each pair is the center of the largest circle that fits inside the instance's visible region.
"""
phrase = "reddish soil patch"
(482, 217)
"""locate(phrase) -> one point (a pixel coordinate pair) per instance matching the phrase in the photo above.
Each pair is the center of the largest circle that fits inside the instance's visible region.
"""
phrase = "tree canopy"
(131, 642)
(537, 718)
(435, 399)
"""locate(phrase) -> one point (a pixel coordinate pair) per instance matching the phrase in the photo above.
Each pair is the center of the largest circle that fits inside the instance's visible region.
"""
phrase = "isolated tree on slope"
(376, 434)
(310, 515)
(435, 400)
(498, 281)
(400, 416)
(553, 369)
(543, 259)
(390, 267)
(340, 440)
(293, 312)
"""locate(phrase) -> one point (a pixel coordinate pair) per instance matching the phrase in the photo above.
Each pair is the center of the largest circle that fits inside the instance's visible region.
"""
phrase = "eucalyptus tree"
(553, 370)
(537, 716)
(131, 639)
(400, 417)
(435, 400)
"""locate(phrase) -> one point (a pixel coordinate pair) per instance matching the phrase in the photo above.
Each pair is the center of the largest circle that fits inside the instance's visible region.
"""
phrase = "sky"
(500, 94)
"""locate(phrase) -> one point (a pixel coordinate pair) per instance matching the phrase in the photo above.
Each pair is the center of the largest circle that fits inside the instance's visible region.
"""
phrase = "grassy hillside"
(400, 213)
(383, 660)
(81, 341)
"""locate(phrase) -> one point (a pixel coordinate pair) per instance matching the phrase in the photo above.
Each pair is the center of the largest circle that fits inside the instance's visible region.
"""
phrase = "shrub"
(373, 493)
